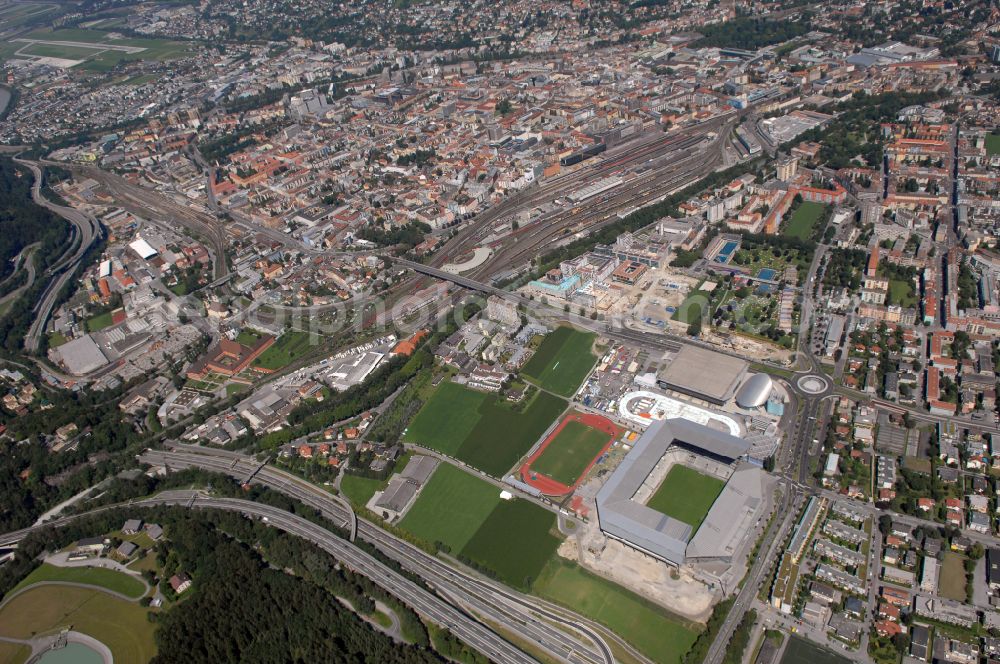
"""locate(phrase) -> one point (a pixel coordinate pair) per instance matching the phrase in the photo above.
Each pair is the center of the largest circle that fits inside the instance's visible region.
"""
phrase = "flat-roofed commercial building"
(703, 374)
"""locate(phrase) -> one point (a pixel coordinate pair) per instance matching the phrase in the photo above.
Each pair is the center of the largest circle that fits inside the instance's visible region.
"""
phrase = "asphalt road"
(773, 544)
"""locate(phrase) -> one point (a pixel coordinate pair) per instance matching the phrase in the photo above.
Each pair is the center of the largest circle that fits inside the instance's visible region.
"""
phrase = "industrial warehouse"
(624, 503)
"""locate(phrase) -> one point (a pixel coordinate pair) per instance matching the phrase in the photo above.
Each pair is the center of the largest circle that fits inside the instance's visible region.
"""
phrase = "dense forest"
(242, 610)
(23, 223)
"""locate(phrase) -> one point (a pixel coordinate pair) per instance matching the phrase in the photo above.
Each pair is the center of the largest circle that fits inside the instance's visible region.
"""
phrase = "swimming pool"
(73, 653)
(727, 251)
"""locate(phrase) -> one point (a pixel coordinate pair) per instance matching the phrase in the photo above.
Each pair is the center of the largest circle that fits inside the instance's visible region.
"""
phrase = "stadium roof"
(641, 526)
(704, 373)
(732, 514)
(754, 391)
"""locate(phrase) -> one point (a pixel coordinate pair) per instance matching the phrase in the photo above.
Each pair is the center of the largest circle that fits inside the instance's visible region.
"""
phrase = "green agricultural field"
(515, 541)
(653, 630)
(121, 626)
(289, 346)
(483, 430)
(14, 653)
(465, 514)
(803, 220)
(562, 361)
(16, 15)
(447, 418)
(99, 322)
(569, 453)
(142, 80)
(800, 651)
(503, 434)
(992, 144)
(953, 576)
(118, 582)
(451, 508)
(687, 495)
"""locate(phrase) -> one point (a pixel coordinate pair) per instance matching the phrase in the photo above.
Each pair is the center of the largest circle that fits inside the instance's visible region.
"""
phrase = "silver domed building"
(754, 391)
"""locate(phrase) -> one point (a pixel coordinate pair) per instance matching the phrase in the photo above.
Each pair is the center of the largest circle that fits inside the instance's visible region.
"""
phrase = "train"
(584, 154)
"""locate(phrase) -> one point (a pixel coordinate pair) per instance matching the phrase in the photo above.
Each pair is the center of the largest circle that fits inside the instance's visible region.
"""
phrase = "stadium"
(685, 494)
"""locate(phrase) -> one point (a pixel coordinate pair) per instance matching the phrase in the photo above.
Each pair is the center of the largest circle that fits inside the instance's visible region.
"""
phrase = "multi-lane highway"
(86, 230)
(527, 616)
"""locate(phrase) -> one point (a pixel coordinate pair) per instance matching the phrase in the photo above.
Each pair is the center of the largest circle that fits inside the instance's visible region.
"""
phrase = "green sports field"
(451, 508)
(121, 626)
(515, 541)
(562, 361)
(801, 223)
(99, 322)
(483, 430)
(800, 651)
(118, 582)
(465, 513)
(447, 419)
(654, 631)
(992, 144)
(686, 495)
(570, 452)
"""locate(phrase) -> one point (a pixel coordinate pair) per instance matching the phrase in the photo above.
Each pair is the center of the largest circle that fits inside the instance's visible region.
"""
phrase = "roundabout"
(813, 384)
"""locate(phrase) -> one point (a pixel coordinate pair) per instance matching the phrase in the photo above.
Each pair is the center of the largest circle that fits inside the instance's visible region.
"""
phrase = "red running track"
(546, 484)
